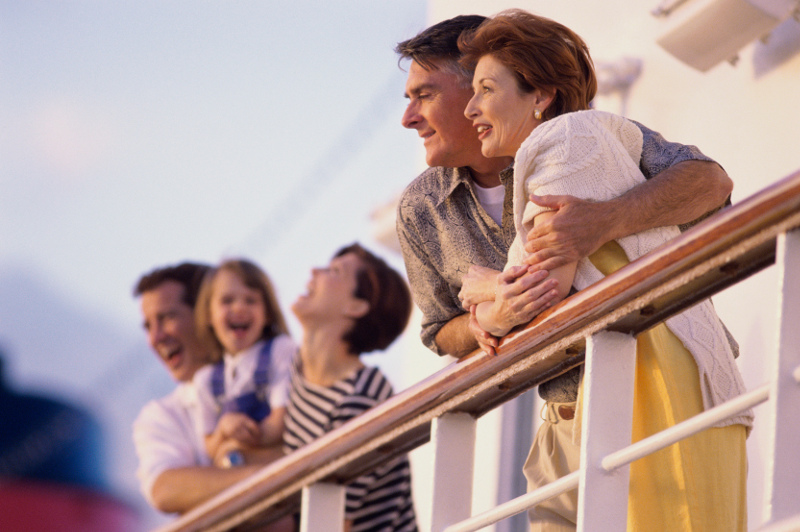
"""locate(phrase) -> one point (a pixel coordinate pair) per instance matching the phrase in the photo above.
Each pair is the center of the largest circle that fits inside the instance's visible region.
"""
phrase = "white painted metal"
(453, 440)
(517, 505)
(322, 508)
(607, 413)
(686, 428)
(783, 467)
(786, 525)
(617, 459)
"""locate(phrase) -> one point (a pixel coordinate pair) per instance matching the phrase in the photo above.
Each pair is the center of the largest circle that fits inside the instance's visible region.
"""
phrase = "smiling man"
(174, 471)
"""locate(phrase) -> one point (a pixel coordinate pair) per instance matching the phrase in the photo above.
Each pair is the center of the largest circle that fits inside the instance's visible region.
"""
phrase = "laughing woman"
(355, 305)
(534, 81)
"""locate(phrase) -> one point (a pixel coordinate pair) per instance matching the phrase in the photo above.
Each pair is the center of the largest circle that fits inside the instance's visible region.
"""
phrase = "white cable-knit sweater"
(595, 155)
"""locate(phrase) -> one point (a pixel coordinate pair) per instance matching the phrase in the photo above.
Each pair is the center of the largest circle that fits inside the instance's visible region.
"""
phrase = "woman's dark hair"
(389, 303)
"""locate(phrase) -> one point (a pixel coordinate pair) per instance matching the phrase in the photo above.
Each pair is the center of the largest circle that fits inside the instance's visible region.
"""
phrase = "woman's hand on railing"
(486, 342)
(521, 294)
(478, 285)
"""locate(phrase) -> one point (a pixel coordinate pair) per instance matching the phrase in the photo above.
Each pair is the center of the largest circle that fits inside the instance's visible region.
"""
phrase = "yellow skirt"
(699, 483)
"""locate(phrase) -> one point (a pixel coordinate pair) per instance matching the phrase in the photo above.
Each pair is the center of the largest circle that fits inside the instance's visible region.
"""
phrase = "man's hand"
(576, 230)
(678, 195)
(226, 446)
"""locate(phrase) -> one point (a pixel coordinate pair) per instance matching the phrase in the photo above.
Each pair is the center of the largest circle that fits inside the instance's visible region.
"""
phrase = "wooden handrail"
(720, 251)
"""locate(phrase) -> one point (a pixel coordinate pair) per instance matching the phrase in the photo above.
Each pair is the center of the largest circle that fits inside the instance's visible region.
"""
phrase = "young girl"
(243, 395)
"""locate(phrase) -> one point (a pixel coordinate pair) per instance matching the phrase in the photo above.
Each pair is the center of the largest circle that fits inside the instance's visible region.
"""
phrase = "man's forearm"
(676, 196)
(263, 455)
(179, 490)
(455, 338)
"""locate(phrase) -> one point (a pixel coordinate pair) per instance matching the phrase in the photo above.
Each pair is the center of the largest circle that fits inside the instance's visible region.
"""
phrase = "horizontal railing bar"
(616, 460)
(526, 357)
(288, 476)
(517, 504)
(525, 374)
(684, 429)
(614, 302)
(705, 279)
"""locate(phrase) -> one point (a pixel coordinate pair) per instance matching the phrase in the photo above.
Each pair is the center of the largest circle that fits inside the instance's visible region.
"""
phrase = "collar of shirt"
(186, 393)
(462, 177)
(239, 368)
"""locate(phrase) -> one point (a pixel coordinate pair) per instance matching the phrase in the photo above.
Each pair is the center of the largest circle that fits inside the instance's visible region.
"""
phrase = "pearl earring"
(537, 114)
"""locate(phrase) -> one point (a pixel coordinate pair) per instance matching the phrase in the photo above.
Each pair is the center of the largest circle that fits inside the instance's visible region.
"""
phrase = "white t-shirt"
(167, 435)
(491, 199)
(238, 373)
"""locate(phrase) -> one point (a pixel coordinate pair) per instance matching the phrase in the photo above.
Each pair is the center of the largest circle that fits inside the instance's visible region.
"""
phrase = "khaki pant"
(553, 455)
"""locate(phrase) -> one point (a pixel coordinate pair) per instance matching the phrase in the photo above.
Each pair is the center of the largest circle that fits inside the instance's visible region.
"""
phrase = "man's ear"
(356, 308)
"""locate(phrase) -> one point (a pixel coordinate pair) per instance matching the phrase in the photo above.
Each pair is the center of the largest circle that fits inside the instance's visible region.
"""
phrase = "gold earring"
(537, 114)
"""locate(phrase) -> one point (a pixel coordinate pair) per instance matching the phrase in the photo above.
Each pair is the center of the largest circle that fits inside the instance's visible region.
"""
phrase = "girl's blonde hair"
(253, 277)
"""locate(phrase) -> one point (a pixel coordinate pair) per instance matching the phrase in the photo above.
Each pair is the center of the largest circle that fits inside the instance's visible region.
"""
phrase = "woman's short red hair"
(541, 53)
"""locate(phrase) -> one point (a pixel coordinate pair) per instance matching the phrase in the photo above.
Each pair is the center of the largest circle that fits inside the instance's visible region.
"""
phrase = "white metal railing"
(444, 407)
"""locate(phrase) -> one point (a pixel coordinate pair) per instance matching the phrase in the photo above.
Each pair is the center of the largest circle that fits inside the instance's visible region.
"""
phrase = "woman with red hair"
(534, 82)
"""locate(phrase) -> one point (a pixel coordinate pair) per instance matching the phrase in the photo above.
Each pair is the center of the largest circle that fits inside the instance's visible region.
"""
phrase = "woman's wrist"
(489, 321)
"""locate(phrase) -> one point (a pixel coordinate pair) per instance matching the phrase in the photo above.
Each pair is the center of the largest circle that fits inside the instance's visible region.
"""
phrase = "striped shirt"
(379, 501)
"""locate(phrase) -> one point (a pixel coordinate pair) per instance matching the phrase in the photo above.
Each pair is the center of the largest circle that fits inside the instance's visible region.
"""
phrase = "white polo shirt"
(167, 435)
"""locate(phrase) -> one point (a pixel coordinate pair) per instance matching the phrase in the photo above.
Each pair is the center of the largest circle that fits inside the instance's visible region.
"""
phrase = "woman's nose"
(471, 110)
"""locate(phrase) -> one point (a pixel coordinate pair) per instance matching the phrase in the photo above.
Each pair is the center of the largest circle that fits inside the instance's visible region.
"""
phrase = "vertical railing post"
(322, 508)
(783, 466)
(607, 413)
(453, 440)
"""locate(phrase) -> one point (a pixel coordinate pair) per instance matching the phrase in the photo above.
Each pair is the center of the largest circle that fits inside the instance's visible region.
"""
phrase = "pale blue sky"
(141, 133)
